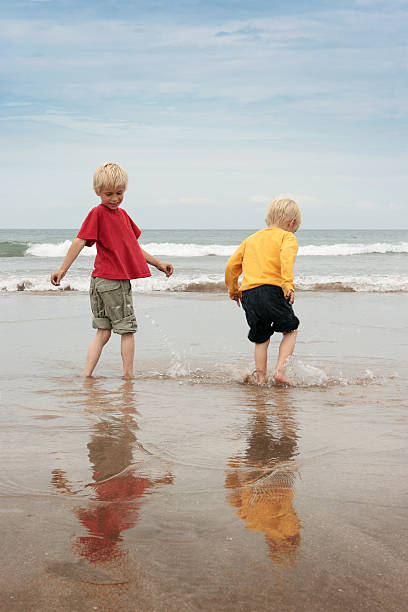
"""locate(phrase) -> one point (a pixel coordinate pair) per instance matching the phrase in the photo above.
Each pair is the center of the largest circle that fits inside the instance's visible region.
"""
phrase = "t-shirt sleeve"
(89, 229)
(136, 230)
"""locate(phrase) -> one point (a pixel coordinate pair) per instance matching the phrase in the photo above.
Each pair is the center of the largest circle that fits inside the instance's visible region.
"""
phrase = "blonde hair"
(109, 176)
(283, 210)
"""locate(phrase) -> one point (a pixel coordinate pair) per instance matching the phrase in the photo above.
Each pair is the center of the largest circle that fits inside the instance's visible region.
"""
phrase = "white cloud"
(193, 200)
(16, 104)
(302, 200)
(363, 205)
(125, 128)
(327, 65)
(301, 101)
(395, 206)
(260, 199)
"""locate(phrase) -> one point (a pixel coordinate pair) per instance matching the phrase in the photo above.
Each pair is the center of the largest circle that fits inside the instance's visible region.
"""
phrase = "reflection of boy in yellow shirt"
(266, 260)
(261, 480)
(268, 508)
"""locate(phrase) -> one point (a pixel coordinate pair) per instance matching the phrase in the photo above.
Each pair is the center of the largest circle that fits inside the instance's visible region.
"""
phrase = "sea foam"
(346, 249)
(211, 283)
(174, 249)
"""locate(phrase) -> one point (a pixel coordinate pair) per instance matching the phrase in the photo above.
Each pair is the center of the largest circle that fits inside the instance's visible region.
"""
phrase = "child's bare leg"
(261, 360)
(127, 349)
(95, 350)
(285, 349)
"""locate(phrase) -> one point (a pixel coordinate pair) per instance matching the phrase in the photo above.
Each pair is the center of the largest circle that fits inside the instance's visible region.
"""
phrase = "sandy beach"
(189, 489)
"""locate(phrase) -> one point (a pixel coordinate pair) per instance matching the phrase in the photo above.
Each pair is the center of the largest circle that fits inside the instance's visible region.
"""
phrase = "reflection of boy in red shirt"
(119, 258)
(119, 501)
(121, 480)
(114, 509)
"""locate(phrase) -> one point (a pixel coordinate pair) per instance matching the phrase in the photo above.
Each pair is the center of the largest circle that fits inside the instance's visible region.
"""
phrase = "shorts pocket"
(106, 284)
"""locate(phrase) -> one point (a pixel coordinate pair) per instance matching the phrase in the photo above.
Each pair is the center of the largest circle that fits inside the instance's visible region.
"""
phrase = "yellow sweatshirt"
(264, 258)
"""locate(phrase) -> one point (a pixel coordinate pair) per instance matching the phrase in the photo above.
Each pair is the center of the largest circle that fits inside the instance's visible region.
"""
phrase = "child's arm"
(288, 254)
(232, 273)
(73, 252)
(167, 268)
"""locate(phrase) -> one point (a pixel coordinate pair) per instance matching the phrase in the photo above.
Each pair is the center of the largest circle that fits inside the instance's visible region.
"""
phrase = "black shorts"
(267, 311)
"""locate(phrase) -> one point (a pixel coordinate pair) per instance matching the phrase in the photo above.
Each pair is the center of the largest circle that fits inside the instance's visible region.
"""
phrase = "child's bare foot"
(250, 378)
(280, 377)
(261, 376)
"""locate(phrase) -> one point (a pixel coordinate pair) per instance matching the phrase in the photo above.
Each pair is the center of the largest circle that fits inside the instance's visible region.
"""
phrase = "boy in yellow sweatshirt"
(266, 260)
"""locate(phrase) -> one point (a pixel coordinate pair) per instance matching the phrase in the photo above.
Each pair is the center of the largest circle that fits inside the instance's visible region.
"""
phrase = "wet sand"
(187, 489)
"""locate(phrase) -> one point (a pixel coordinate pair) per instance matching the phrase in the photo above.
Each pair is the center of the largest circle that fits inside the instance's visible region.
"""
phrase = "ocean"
(189, 487)
(328, 260)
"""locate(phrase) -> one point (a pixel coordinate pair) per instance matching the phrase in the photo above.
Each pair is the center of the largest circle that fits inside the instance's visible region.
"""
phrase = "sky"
(213, 107)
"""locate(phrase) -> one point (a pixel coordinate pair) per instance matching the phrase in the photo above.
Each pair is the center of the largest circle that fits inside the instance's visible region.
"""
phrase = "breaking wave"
(48, 249)
(154, 248)
(392, 283)
(212, 283)
(175, 249)
(345, 249)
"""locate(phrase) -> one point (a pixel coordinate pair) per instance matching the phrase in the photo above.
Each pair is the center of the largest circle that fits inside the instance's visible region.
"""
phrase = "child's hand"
(290, 296)
(56, 277)
(167, 268)
(236, 297)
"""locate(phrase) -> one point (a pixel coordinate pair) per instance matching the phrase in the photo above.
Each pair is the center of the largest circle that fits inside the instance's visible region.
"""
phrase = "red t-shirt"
(118, 254)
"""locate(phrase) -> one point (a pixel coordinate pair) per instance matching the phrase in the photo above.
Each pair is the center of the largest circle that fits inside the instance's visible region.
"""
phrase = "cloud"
(260, 199)
(348, 80)
(333, 63)
(312, 100)
(395, 206)
(193, 200)
(124, 128)
(82, 124)
(16, 104)
(366, 205)
(246, 31)
(301, 199)
(184, 200)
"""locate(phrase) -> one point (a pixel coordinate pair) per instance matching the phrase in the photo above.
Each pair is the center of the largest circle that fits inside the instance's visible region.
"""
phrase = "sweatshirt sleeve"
(288, 254)
(89, 228)
(233, 270)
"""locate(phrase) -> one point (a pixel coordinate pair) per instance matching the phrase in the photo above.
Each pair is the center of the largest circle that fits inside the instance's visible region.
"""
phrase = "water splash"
(179, 367)
(305, 375)
(300, 374)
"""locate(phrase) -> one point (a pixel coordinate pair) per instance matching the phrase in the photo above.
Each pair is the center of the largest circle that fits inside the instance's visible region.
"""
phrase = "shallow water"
(190, 489)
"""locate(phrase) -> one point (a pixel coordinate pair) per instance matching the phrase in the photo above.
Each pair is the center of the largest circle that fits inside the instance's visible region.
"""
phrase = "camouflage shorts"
(112, 305)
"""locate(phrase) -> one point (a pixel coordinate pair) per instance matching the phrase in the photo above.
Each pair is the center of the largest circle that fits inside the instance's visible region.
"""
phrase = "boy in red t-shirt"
(119, 258)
